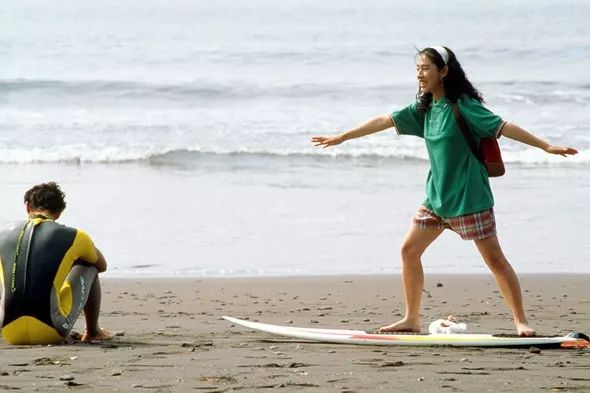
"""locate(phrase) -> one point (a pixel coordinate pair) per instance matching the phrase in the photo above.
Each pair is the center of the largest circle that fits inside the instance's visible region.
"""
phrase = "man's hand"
(101, 264)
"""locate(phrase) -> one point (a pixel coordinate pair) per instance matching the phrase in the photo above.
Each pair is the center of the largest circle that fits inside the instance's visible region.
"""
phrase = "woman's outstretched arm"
(513, 131)
(377, 124)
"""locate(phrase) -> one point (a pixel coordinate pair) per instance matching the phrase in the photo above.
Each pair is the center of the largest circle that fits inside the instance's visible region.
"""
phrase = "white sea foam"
(78, 153)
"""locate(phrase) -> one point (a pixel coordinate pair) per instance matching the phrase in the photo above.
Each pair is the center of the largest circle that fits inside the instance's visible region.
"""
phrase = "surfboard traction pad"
(583, 341)
(578, 335)
(501, 335)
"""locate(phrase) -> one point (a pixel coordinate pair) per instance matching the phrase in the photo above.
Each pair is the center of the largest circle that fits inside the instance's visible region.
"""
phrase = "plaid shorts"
(474, 226)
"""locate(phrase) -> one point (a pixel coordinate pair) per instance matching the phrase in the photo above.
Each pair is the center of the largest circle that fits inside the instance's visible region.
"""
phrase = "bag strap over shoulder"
(465, 130)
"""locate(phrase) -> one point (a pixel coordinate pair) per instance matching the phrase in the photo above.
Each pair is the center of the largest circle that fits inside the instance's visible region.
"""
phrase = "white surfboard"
(344, 336)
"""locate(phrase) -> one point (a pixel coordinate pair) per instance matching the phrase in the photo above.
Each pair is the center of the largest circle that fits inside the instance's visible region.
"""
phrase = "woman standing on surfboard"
(458, 194)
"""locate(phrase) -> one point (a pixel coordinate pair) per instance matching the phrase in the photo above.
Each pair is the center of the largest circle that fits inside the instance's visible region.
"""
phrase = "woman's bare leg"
(414, 245)
(507, 280)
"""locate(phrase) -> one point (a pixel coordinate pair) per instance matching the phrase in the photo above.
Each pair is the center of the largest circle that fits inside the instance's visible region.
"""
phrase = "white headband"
(442, 52)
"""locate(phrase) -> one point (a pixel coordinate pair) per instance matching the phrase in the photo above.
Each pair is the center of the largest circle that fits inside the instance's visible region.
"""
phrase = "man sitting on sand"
(49, 273)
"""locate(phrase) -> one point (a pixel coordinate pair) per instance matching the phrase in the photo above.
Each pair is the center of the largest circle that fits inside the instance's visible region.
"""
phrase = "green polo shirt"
(457, 182)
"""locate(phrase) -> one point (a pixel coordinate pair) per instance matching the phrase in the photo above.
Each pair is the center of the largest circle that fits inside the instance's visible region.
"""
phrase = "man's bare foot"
(100, 335)
(402, 326)
(524, 330)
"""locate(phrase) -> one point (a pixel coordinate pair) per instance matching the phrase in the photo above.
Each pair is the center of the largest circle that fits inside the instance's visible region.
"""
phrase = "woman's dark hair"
(455, 83)
(46, 196)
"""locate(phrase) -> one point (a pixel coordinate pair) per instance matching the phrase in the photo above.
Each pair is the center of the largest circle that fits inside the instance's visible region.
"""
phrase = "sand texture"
(171, 338)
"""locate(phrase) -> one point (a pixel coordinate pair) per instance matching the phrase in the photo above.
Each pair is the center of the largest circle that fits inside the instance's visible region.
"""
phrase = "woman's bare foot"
(402, 326)
(524, 330)
(99, 335)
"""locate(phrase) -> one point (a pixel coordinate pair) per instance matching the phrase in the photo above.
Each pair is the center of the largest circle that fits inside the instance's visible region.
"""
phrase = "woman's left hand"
(562, 151)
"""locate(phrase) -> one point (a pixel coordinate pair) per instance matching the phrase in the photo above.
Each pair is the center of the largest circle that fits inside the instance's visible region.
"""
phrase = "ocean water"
(180, 130)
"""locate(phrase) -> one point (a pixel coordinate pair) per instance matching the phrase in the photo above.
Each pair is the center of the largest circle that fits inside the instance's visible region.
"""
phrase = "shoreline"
(331, 275)
(171, 337)
(255, 221)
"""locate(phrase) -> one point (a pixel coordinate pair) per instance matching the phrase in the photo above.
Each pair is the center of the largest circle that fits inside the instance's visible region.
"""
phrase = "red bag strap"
(465, 130)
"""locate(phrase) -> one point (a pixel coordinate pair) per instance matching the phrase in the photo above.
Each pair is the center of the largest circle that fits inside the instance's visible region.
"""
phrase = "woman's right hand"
(326, 141)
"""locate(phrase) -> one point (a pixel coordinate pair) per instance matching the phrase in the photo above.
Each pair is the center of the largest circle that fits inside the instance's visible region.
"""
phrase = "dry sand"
(172, 338)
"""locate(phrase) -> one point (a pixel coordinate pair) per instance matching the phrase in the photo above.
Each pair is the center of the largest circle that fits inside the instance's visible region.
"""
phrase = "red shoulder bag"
(489, 149)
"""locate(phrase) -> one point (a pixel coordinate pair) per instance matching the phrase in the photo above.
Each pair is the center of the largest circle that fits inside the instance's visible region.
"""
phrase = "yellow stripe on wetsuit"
(82, 248)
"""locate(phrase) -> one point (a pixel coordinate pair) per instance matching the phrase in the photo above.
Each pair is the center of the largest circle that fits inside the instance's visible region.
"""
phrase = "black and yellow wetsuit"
(41, 298)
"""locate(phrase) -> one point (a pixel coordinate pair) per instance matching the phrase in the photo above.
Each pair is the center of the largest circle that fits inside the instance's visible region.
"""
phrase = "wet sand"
(171, 338)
